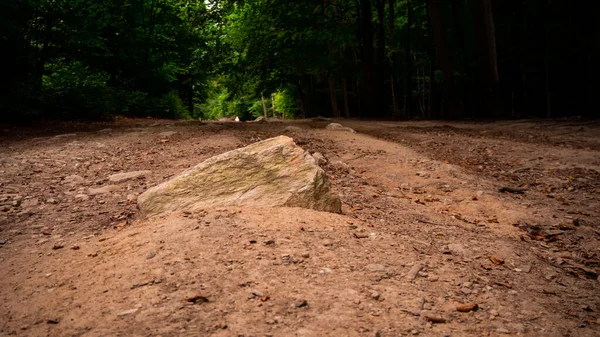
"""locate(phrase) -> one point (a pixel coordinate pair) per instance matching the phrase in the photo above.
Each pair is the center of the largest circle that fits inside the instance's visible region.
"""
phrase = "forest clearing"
(447, 229)
(299, 168)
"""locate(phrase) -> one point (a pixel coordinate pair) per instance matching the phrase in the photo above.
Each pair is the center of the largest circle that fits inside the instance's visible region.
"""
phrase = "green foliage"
(94, 59)
(73, 91)
(168, 105)
(287, 103)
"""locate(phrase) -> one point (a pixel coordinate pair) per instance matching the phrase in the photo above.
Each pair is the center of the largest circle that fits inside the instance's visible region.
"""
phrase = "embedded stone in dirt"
(121, 177)
(167, 133)
(274, 172)
(101, 190)
(73, 179)
(339, 127)
(293, 128)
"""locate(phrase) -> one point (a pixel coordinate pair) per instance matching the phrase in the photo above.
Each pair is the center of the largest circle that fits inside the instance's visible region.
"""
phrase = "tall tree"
(486, 46)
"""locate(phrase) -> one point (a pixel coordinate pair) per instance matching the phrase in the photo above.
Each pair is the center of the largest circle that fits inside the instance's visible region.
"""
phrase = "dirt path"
(425, 228)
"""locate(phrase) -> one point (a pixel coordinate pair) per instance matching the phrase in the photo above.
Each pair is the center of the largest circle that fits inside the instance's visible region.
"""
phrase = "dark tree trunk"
(516, 75)
(264, 104)
(190, 97)
(380, 4)
(443, 58)
(366, 32)
(303, 108)
(392, 24)
(462, 88)
(486, 46)
(346, 106)
(44, 55)
(333, 98)
(408, 63)
(547, 14)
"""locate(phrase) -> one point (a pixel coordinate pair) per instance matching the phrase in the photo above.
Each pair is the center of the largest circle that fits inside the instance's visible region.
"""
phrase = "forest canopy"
(83, 59)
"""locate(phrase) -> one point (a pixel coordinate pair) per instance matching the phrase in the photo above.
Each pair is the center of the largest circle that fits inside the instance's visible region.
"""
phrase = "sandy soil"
(427, 225)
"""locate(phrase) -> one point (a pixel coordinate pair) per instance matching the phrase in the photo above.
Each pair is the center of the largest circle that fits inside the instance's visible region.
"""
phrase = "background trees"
(352, 58)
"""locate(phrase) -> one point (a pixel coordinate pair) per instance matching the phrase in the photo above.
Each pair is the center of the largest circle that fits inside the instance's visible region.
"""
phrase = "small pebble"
(327, 243)
(150, 255)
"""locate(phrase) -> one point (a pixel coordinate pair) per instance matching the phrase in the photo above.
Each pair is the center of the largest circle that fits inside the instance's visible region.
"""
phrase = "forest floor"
(431, 221)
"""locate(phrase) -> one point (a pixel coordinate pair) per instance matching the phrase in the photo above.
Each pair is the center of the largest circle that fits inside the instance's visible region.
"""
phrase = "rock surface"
(339, 127)
(319, 158)
(121, 177)
(274, 172)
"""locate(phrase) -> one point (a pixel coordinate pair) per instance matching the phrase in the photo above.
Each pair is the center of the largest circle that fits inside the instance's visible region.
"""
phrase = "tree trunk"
(303, 112)
(380, 4)
(335, 112)
(486, 43)
(44, 55)
(462, 88)
(408, 63)
(333, 98)
(547, 62)
(381, 64)
(392, 24)
(264, 105)
(443, 58)
(516, 75)
(190, 97)
(430, 94)
(346, 106)
(366, 33)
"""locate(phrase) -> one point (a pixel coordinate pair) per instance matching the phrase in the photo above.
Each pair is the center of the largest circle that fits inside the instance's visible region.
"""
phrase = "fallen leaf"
(496, 260)
(467, 307)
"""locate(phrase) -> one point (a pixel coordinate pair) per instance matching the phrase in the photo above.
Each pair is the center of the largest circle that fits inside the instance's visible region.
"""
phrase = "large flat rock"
(274, 172)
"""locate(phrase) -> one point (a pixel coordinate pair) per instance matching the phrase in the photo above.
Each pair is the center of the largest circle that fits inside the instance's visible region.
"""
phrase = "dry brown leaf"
(467, 307)
(496, 260)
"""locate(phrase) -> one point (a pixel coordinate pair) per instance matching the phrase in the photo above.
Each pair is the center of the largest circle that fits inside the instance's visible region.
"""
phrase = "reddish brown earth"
(425, 229)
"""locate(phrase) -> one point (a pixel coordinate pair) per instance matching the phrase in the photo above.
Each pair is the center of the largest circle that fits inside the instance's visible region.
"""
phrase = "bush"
(287, 103)
(74, 91)
(169, 105)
